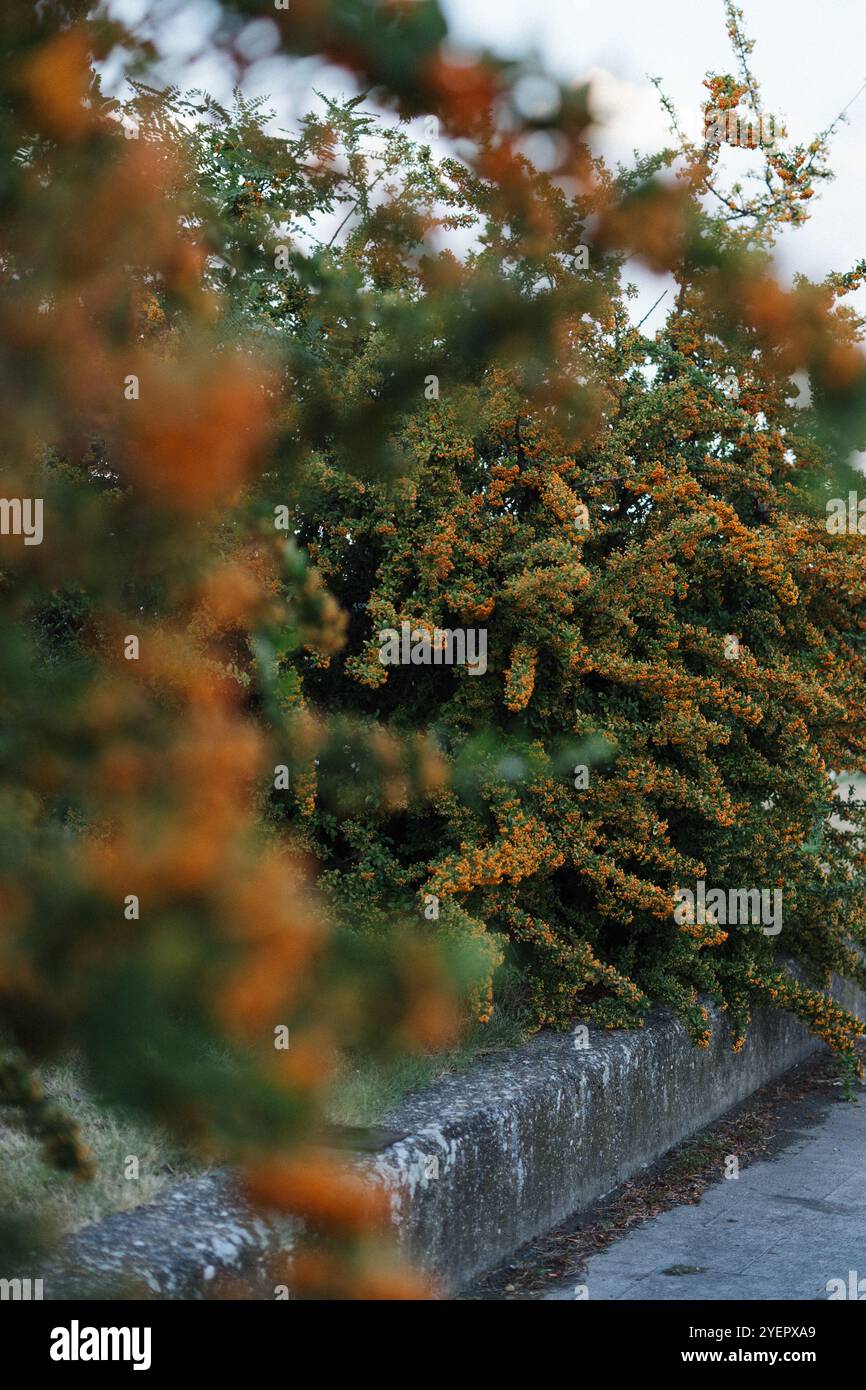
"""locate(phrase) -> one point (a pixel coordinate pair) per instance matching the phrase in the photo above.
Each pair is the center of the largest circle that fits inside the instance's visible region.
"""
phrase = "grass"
(28, 1186)
(362, 1096)
(366, 1092)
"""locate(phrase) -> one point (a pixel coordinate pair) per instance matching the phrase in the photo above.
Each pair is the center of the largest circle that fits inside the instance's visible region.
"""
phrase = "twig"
(649, 311)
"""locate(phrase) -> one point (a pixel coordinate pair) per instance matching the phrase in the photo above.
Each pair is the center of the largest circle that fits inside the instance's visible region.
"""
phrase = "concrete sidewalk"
(782, 1230)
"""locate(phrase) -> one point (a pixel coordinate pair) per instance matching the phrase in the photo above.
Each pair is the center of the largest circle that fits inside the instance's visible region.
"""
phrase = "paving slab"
(783, 1230)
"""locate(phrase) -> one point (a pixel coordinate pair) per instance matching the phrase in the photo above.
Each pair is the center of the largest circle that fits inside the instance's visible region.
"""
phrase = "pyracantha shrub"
(634, 525)
(154, 919)
(281, 395)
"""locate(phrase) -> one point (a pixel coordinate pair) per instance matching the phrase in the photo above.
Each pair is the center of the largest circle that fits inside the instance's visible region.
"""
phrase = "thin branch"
(649, 311)
(356, 205)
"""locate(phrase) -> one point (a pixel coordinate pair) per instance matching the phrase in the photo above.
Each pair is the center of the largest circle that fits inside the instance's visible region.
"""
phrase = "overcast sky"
(810, 60)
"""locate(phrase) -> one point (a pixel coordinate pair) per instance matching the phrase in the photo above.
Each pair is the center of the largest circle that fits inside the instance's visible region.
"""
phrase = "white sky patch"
(804, 399)
(809, 67)
(629, 115)
(808, 62)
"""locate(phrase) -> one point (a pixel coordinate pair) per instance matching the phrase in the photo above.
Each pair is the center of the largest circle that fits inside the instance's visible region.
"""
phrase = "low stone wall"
(190, 1243)
(492, 1158)
(535, 1134)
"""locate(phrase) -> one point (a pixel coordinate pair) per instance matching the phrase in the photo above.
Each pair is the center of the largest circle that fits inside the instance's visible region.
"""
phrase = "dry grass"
(366, 1092)
(30, 1186)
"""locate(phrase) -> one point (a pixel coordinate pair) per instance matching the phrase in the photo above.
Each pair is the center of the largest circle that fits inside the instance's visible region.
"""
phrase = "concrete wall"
(532, 1135)
(493, 1157)
(192, 1240)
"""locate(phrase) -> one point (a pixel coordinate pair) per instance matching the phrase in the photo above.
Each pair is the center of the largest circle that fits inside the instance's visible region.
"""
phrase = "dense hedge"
(638, 529)
(703, 626)
(281, 395)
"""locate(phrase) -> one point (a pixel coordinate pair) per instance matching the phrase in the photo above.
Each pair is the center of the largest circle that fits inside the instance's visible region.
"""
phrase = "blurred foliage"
(218, 343)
